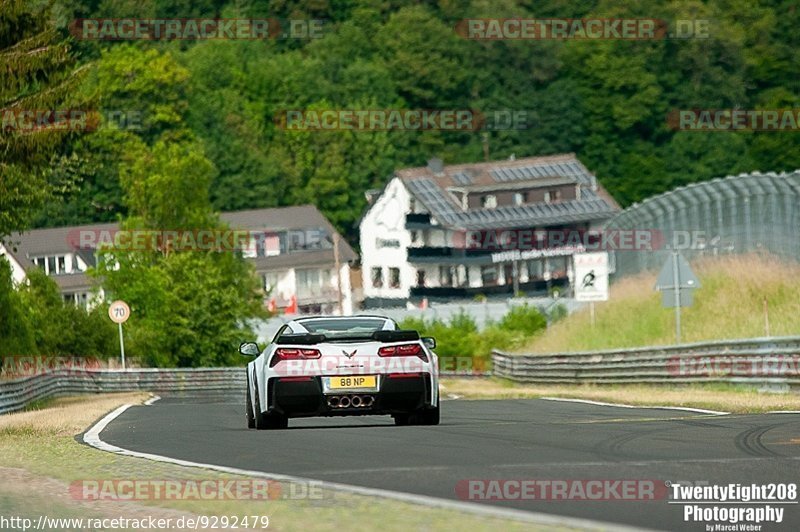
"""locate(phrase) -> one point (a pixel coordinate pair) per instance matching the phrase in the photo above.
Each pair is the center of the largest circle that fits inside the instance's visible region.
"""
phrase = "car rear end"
(389, 372)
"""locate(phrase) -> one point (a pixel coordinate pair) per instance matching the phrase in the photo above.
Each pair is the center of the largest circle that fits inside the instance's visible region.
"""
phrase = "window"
(377, 277)
(414, 237)
(552, 195)
(445, 276)
(394, 277)
(508, 273)
(463, 275)
(295, 240)
(420, 277)
(356, 327)
(51, 265)
(520, 198)
(489, 275)
(535, 269)
(270, 281)
(61, 264)
(308, 281)
(558, 266)
(489, 201)
(79, 299)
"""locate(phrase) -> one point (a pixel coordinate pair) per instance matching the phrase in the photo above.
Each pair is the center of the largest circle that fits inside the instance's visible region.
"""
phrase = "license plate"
(357, 382)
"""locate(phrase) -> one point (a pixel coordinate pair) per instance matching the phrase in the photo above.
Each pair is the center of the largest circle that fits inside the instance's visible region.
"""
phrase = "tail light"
(296, 379)
(293, 353)
(403, 350)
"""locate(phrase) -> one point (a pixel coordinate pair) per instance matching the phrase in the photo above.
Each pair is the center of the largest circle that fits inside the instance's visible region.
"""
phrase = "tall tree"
(190, 304)
(38, 76)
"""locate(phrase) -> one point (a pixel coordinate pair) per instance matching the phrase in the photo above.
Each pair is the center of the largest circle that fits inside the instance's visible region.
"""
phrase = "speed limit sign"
(119, 311)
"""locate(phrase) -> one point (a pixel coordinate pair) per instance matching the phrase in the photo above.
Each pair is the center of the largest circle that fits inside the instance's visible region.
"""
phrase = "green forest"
(184, 129)
(606, 100)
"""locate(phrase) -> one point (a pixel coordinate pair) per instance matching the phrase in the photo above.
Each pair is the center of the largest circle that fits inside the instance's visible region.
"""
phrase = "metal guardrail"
(17, 394)
(765, 362)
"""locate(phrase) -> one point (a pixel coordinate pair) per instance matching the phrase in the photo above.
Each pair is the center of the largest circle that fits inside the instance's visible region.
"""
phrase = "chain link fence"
(748, 213)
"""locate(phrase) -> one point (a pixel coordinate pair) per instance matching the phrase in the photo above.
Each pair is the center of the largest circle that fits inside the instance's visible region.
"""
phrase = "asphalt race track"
(510, 439)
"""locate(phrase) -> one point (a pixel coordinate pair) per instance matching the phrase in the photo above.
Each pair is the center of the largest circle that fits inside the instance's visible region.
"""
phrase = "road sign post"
(676, 275)
(121, 346)
(119, 312)
(676, 282)
(590, 279)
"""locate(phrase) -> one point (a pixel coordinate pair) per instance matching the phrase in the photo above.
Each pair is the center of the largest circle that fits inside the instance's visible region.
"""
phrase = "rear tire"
(401, 420)
(259, 419)
(277, 421)
(423, 416)
(251, 420)
(428, 417)
(268, 421)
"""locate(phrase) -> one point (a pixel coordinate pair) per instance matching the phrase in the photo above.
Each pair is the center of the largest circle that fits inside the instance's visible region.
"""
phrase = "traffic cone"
(292, 308)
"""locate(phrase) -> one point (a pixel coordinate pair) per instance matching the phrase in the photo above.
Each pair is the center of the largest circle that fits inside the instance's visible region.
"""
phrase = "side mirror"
(249, 349)
(429, 341)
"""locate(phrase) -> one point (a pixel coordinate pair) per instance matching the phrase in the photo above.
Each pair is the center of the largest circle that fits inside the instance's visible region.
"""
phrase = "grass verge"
(728, 305)
(719, 397)
(39, 457)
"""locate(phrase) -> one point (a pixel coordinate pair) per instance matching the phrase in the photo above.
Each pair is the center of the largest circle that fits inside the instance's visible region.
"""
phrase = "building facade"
(298, 255)
(492, 228)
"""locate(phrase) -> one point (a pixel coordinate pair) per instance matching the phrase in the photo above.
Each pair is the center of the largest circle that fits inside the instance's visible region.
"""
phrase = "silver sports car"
(342, 366)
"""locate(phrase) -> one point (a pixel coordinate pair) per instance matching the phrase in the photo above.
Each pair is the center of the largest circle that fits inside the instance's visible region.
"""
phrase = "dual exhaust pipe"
(350, 401)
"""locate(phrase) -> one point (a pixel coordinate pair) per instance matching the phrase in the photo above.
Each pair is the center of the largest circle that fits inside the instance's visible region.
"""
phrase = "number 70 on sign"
(119, 312)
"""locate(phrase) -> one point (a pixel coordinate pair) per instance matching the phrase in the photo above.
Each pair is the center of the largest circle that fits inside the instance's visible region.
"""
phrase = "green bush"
(35, 320)
(459, 337)
(16, 330)
(524, 319)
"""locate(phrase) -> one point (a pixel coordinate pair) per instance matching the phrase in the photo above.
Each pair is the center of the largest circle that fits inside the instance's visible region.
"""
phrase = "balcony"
(452, 292)
(445, 254)
(316, 294)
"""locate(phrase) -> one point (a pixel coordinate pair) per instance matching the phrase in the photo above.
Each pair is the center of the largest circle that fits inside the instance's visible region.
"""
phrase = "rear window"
(348, 328)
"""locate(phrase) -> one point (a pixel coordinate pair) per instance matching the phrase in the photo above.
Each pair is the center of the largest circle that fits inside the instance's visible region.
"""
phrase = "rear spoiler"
(316, 338)
(300, 339)
(395, 336)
